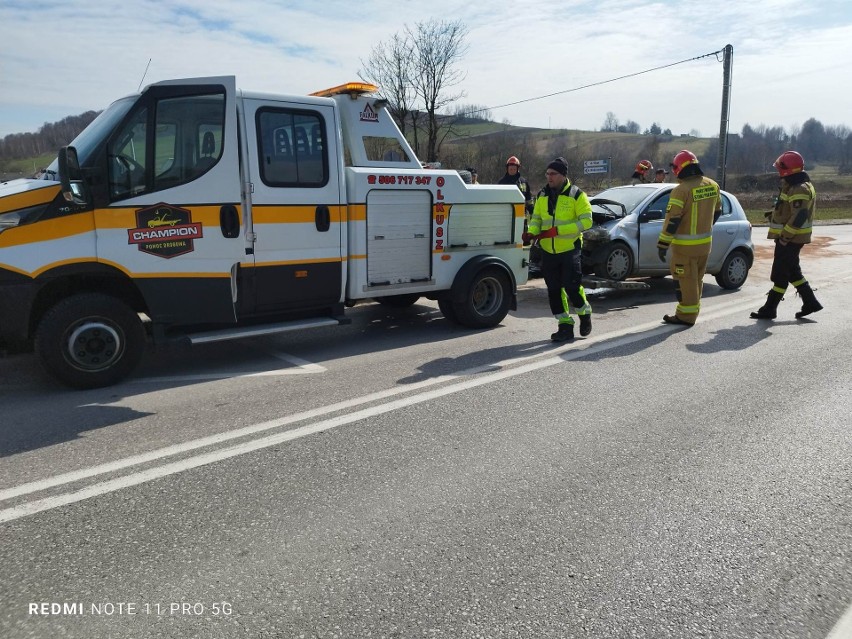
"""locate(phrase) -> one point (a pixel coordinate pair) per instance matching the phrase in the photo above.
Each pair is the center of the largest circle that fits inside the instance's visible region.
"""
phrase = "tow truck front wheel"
(90, 340)
(486, 300)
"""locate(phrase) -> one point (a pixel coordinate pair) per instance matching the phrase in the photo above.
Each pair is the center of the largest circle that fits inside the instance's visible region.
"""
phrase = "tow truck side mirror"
(70, 176)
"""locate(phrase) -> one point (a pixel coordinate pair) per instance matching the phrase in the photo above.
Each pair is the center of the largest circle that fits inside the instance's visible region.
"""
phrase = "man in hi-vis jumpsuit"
(694, 206)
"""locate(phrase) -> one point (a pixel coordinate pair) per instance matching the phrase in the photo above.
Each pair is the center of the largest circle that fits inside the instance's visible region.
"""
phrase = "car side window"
(727, 209)
(660, 203)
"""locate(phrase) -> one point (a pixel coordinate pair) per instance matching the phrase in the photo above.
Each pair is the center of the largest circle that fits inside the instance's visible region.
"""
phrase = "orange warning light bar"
(356, 88)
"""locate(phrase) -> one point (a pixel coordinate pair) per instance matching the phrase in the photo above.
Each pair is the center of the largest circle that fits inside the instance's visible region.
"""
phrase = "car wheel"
(617, 262)
(90, 340)
(399, 301)
(734, 271)
(486, 300)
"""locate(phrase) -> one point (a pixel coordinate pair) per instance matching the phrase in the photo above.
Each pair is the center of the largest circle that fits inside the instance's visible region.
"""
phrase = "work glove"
(528, 237)
(783, 241)
(551, 232)
(662, 253)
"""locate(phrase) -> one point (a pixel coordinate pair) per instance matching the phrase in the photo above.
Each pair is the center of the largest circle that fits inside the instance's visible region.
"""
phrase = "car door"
(173, 218)
(649, 233)
(724, 233)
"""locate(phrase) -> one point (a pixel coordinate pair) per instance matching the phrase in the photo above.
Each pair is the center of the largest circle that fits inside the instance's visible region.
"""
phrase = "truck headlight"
(9, 220)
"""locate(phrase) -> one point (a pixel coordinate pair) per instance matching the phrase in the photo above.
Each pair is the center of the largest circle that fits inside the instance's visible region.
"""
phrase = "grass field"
(755, 216)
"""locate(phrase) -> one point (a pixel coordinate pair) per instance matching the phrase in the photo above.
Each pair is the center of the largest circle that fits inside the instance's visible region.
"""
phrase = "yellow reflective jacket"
(793, 217)
(690, 213)
(569, 211)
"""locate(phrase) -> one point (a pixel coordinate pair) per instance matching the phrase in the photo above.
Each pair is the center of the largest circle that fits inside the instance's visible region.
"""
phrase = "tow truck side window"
(166, 143)
(292, 148)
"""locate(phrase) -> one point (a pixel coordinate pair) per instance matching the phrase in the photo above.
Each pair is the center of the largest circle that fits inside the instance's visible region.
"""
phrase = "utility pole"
(722, 159)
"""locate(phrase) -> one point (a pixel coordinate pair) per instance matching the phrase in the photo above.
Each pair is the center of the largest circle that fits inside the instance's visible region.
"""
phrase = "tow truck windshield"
(92, 136)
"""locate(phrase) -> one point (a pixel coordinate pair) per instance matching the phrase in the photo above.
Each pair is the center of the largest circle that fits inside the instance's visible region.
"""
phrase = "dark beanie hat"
(560, 165)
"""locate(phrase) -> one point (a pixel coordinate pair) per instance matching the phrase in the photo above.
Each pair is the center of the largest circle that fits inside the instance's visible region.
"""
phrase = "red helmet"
(682, 160)
(644, 165)
(788, 163)
(513, 160)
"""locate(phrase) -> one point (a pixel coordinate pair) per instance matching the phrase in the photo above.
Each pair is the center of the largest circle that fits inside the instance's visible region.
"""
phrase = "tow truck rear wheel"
(486, 300)
(90, 340)
(448, 310)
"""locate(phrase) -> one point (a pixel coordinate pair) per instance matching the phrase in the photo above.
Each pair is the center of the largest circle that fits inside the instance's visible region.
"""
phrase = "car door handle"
(730, 231)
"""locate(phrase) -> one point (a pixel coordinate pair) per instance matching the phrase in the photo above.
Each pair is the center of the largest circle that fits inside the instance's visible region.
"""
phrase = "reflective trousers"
(563, 275)
(688, 265)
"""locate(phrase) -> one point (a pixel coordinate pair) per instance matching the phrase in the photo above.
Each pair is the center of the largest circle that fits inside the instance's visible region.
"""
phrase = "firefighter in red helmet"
(790, 224)
(644, 168)
(694, 206)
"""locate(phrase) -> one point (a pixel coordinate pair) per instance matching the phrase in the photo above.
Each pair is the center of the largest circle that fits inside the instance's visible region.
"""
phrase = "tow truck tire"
(734, 271)
(448, 310)
(617, 262)
(90, 340)
(398, 301)
(486, 301)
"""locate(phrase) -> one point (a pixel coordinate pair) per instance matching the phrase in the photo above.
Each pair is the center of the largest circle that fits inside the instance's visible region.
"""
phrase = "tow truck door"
(174, 216)
(297, 210)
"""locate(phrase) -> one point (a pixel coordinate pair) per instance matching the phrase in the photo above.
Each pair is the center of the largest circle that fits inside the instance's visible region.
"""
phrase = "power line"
(595, 84)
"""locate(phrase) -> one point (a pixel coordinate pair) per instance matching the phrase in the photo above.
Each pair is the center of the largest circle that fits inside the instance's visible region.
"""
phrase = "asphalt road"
(402, 477)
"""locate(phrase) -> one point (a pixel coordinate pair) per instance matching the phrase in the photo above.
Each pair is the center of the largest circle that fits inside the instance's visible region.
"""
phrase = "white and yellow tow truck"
(198, 211)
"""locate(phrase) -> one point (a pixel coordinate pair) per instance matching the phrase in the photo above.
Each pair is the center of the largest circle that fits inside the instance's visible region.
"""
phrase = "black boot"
(585, 324)
(768, 310)
(565, 333)
(809, 300)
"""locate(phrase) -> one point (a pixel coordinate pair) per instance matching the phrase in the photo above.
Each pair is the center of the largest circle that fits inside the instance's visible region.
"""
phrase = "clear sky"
(791, 58)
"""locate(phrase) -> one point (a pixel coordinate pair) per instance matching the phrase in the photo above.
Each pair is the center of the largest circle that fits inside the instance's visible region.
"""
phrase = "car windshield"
(91, 137)
(630, 197)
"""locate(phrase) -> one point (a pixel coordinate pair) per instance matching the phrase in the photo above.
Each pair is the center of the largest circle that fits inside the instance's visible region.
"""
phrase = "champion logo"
(368, 115)
(165, 231)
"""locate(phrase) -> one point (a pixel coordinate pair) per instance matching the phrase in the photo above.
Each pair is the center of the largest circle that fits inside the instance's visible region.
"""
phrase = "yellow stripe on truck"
(47, 230)
(28, 198)
(318, 260)
(263, 214)
(125, 217)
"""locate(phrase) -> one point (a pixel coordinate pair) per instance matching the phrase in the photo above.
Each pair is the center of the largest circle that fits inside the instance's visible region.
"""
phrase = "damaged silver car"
(622, 242)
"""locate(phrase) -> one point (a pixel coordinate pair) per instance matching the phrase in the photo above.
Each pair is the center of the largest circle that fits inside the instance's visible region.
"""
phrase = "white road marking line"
(301, 367)
(298, 361)
(843, 628)
(562, 356)
(592, 345)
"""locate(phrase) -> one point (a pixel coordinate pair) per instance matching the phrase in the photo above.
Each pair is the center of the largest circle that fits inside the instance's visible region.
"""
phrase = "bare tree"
(473, 112)
(610, 123)
(389, 67)
(438, 46)
(414, 70)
